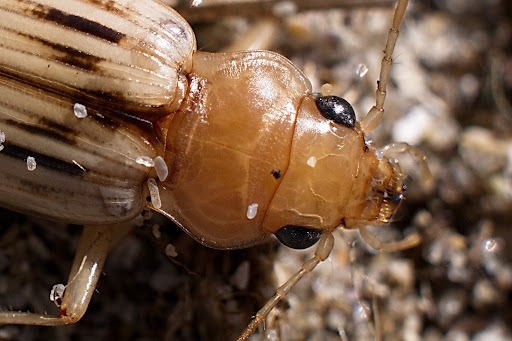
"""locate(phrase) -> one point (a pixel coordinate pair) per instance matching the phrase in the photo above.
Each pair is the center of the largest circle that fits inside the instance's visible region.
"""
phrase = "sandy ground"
(450, 95)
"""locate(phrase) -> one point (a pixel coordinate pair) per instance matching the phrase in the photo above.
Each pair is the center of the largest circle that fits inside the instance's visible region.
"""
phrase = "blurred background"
(450, 95)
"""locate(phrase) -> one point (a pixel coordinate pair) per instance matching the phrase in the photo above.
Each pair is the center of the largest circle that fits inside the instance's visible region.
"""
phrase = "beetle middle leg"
(95, 243)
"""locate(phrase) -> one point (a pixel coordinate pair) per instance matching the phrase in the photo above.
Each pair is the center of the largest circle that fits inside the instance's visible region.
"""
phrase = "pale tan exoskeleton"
(118, 112)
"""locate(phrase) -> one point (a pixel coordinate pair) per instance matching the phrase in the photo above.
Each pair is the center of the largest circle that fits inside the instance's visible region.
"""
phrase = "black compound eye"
(298, 237)
(337, 109)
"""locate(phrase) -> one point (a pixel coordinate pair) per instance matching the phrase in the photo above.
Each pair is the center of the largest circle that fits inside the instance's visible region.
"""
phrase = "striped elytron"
(93, 90)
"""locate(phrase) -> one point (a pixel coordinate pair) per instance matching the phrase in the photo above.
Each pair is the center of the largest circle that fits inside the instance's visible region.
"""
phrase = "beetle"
(108, 109)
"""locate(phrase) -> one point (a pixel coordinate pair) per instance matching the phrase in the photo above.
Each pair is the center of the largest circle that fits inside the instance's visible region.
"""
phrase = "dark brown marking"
(74, 57)
(41, 159)
(56, 126)
(42, 131)
(276, 173)
(37, 188)
(110, 109)
(78, 23)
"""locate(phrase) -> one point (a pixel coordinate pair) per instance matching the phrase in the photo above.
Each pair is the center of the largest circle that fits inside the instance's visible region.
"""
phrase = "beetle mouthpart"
(393, 194)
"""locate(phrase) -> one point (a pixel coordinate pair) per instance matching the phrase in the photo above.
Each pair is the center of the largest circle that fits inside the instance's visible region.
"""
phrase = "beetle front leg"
(95, 243)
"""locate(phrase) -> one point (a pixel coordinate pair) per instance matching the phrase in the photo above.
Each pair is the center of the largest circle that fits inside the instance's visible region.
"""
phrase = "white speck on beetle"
(154, 193)
(146, 161)
(252, 210)
(56, 293)
(196, 3)
(161, 168)
(80, 110)
(170, 251)
(361, 70)
(31, 163)
(311, 161)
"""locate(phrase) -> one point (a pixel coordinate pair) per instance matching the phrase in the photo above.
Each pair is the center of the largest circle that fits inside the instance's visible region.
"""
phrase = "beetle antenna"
(374, 116)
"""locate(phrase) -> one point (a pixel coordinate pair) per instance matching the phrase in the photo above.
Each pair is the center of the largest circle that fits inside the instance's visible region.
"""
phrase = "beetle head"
(333, 177)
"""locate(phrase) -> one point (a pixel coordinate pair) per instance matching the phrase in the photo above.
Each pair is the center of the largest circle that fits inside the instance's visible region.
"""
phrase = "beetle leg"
(95, 243)
(323, 249)
(374, 241)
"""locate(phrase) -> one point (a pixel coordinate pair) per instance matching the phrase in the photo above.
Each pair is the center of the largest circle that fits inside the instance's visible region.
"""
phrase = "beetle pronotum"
(98, 93)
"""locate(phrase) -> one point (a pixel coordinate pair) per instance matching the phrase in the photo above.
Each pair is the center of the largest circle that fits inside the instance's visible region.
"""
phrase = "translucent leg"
(324, 247)
(95, 243)
(374, 241)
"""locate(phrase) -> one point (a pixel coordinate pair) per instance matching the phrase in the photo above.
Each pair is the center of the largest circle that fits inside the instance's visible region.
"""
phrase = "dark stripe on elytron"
(78, 23)
(41, 159)
(42, 131)
(56, 126)
(73, 57)
(111, 110)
